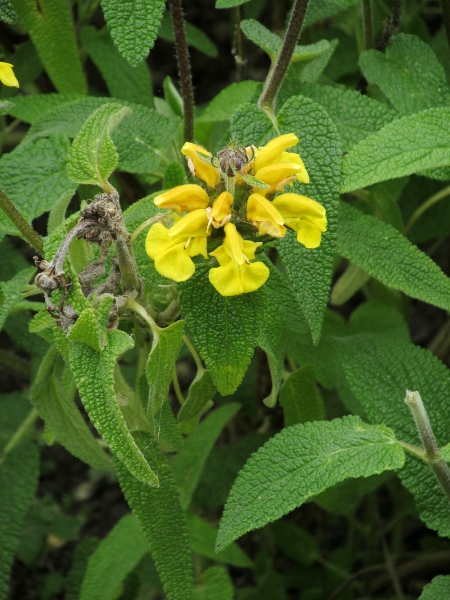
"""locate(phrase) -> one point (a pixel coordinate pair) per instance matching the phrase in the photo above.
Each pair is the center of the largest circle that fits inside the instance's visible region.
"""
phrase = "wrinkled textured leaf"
(93, 156)
(300, 462)
(195, 37)
(94, 376)
(187, 465)
(224, 329)
(300, 398)
(124, 81)
(162, 520)
(88, 330)
(229, 100)
(438, 589)
(250, 125)
(408, 73)
(201, 391)
(10, 292)
(133, 26)
(34, 178)
(310, 270)
(7, 12)
(18, 481)
(51, 29)
(161, 363)
(405, 146)
(56, 405)
(115, 556)
(389, 256)
(379, 371)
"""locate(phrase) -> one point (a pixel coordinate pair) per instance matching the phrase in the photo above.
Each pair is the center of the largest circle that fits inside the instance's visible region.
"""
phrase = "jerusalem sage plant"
(209, 272)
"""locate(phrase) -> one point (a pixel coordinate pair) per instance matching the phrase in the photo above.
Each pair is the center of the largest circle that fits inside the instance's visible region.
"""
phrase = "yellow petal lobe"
(272, 151)
(7, 76)
(183, 198)
(203, 171)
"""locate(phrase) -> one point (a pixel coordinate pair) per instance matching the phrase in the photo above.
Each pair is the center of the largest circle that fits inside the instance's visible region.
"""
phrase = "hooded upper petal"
(193, 224)
(272, 151)
(7, 76)
(200, 169)
(183, 197)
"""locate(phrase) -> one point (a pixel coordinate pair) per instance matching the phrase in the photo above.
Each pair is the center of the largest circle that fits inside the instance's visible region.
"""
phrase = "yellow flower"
(264, 216)
(220, 212)
(183, 197)
(276, 167)
(303, 215)
(7, 76)
(236, 274)
(172, 249)
(200, 169)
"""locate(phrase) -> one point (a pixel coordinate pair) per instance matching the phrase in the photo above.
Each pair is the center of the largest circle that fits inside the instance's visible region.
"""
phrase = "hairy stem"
(391, 25)
(29, 234)
(194, 353)
(277, 74)
(367, 24)
(184, 68)
(238, 49)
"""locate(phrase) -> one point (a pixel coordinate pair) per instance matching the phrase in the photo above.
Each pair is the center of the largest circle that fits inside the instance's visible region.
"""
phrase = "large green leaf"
(189, 462)
(229, 100)
(115, 557)
(34, 178)
(310, 270)
(390, 257)
(408, 73)
(55, 403)
(94, 376)
(19, 473)
(379, 371)
(438, 589)
(51, 29)
(299, 463)
(300, 398)
(162, 520)
(407, 145)
(11, 292)
(7, 12)
(201, 391)
(124, 81)
(161, 363)
(224, 329)
(195, 37)
(250, 125)
(322, 9)
(93, 155)
(133, 26)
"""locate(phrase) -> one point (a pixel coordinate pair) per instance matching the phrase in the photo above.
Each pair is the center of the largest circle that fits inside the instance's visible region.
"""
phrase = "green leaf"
(300, 398)
(203, 538)
(11, 292)
(224, 329)
(379, 370)
(162, 520)
(201, 392)
(323, 9)
(227, 101)
(123, 81)
(55, 404)
(133, 26)
(7, 12)
(250, 125)
(94, 376)
(299, 463)
(313, 70)
(88, 330)
(271, 42)
(52, 31)
(81, 555)
(161, 363)
(356, 116)
(214, 583)
(173, 175)
(408, 73)
(310, 270)
(445, 453)
(195, 37)
(394, 151)
(438, 589)
(229, 3)
(115, 556)
(93, 156)
(389, 256)
(31, 108)
(19, 473)
(34, 178)
(188, 464)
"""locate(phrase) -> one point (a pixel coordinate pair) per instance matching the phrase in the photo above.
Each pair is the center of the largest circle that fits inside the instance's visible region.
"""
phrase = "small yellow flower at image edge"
(7, 76)
(241, 198)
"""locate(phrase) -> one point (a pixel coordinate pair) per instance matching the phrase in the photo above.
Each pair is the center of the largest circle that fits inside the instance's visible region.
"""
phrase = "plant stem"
(140, 310)
(238, 49)
(15, 365)
(367, 24)
(276, 76)
(436, 464)
(21, 431)
(391, 25)
(446, 15)
(127, 265)
(29, 234)
(194, 353)
(184, 68)
(426, 205)
(176, 387)
(143, 226)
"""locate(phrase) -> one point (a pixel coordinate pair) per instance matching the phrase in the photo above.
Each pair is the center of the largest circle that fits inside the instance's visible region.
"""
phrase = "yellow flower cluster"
(243, 193)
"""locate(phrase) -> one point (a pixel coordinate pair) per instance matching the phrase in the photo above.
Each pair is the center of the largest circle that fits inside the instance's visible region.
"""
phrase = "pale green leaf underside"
(299, 463)
(379, 371)
(229, 3)
(93, 156)
(405, 146)
(322, 9)
(383, 252)
(116, 556)
(10, 292)
(133, 25)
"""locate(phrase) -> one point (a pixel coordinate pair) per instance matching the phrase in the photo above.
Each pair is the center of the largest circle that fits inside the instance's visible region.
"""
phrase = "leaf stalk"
(28, 233)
